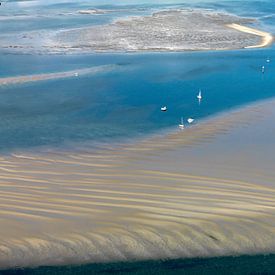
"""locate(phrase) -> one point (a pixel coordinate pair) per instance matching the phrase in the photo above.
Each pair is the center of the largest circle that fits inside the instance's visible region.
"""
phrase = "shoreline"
(158, 199)
(267, 38)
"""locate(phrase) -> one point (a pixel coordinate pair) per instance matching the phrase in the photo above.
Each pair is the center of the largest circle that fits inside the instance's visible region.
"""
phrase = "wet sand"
(205, 191)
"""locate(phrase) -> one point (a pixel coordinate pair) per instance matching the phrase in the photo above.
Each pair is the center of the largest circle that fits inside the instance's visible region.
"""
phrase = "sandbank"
(205, 191)
(169, 30)
(163, 31)
(267, 38)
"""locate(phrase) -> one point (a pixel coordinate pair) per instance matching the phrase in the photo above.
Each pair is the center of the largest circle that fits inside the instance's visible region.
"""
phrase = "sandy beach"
(267, 38)
(205, 191)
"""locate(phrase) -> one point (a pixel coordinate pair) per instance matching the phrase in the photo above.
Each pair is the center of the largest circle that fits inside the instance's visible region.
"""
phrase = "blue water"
(125, 103)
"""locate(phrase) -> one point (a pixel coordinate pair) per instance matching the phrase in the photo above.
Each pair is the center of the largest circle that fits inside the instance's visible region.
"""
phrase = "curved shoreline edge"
(267, 38)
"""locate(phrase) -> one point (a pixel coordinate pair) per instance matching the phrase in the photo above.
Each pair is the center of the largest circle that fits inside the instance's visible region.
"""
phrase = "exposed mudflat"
(176, 30)
(170, 30)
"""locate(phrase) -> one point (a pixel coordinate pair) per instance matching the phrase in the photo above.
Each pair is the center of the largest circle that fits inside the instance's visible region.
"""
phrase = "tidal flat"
(202, 192)
(167, 30)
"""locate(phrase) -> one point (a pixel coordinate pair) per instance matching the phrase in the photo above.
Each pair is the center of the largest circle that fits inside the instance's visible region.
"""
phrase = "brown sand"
(208, 190)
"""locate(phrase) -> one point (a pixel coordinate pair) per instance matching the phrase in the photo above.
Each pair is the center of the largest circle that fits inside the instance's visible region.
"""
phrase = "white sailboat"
(181, 125)
(263, 69)
(190, 120)
(163, 109)
(199, 96)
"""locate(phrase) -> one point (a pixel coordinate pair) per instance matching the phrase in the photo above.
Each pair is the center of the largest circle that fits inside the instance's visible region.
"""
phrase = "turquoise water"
(125, 103)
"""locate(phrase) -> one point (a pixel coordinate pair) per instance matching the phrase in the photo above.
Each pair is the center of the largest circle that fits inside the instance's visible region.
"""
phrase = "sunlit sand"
(205, 191)
(267, 38)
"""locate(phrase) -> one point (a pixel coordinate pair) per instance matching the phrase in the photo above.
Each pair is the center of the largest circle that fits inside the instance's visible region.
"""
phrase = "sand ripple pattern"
(127, 203)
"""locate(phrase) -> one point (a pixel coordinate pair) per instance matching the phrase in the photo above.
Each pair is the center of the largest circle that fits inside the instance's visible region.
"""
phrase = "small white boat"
(267, 60)
(199, 96)
(190, 120)
(263, 69)
(181, 125)
(163, 109)
(75, 74)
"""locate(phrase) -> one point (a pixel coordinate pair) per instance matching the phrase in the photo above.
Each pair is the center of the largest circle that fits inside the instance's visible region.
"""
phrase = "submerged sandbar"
(54, 76)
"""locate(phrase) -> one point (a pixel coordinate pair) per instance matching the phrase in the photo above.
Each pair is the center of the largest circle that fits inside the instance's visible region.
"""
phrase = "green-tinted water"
(260, 264)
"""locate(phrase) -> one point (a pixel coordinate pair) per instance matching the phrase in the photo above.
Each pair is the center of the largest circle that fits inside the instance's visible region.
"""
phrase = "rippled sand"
(208, 190)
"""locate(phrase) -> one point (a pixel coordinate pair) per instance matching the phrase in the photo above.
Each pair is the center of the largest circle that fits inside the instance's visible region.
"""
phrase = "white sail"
(181, 125)
(199, 96)
(190, 120)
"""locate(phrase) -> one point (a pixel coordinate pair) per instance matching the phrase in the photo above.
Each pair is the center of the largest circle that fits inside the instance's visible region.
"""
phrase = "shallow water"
(126, 102)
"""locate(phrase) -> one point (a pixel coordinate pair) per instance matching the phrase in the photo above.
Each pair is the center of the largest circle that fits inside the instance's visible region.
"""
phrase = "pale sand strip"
(57, 75)
(267, 38)
(182, 195)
